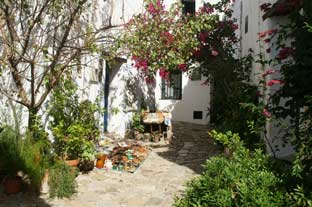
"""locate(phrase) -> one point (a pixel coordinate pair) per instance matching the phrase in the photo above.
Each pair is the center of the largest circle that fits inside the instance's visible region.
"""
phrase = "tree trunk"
(32, 116)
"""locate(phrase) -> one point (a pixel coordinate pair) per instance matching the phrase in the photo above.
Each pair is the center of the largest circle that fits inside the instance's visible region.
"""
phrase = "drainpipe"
(106, 93)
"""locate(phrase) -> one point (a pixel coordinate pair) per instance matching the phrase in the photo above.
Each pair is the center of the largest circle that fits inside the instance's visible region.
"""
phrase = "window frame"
(165, 86)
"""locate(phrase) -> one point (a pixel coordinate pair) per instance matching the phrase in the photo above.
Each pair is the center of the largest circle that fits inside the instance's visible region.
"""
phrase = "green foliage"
(74, 124)
(245, 179)
(10, 151)
(62, 181)
(23, 154)
(137, 122)
(88, 151)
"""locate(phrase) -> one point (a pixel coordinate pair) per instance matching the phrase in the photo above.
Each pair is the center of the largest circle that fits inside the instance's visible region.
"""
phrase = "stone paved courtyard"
(161, 176)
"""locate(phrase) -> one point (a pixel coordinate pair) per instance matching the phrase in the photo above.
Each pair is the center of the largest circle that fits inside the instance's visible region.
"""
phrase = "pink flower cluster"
(266, 113)
(268, 32)
(182, 67)
(169, 38)
(274, 82)
(140, 63)
(155, 8)
(163, 73)
(268, 72)
(285, 53)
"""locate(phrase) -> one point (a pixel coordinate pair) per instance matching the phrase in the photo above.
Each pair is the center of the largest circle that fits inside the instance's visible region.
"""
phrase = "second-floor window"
(188, 7)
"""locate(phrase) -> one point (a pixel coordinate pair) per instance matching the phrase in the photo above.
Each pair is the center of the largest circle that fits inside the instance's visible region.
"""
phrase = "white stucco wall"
(195, 97)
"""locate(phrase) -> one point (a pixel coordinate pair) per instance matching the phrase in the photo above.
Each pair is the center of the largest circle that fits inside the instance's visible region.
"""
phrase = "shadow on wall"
(128, 93)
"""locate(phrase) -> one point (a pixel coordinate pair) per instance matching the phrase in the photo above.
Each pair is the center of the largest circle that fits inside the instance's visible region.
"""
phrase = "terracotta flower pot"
(100, 161)
(12, 184)
(73, 163)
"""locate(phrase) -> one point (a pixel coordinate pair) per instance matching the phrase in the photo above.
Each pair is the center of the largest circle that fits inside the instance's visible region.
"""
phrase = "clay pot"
(100, 161)
(73, 163)
(12, 184)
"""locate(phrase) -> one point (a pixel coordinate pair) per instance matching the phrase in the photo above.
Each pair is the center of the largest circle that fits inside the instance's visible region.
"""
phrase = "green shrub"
(245, 179)
(62, 181)
(137, 122)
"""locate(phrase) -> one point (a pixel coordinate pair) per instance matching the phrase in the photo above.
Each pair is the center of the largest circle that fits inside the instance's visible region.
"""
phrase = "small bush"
(62, 181)
(245, 179)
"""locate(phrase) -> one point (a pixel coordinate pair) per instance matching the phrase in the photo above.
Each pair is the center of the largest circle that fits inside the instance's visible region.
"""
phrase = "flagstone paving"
(162, 176)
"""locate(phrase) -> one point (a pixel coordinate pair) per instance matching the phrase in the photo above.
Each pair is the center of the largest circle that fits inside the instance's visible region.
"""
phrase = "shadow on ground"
(22, 200)
(190, 146)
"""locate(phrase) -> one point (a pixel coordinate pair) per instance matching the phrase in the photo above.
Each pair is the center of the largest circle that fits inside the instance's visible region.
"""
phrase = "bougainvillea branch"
(165, 40)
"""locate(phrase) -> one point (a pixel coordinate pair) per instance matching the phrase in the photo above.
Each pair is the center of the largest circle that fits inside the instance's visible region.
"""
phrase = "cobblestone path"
(162, 176)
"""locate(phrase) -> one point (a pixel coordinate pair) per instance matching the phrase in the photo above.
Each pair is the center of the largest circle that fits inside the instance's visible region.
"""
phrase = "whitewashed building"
(124, 92)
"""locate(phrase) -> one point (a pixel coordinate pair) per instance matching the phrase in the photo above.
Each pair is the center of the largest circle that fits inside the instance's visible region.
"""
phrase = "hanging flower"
(268, 72)
(262, 34)
(152, 9)
(266, 113)
(163, 73)
(182, 67)
(285, 53)
(272, 31)
(267, 40)
(274, 82)
(234, 26)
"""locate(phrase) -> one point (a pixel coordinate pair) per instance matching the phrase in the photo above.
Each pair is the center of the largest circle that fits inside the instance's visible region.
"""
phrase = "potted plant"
(137, 125)
(10, 157)
(19, 157)
(74, 144)
(87, 157)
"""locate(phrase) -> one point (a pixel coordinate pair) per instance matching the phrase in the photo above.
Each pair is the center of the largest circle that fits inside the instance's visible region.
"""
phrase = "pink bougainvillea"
(272, 31)
(268, 72)
(285, 53)
(140, 63)
(262, 34)
(163, 73)
(266, 113)
(274, 82)
(182, 67)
